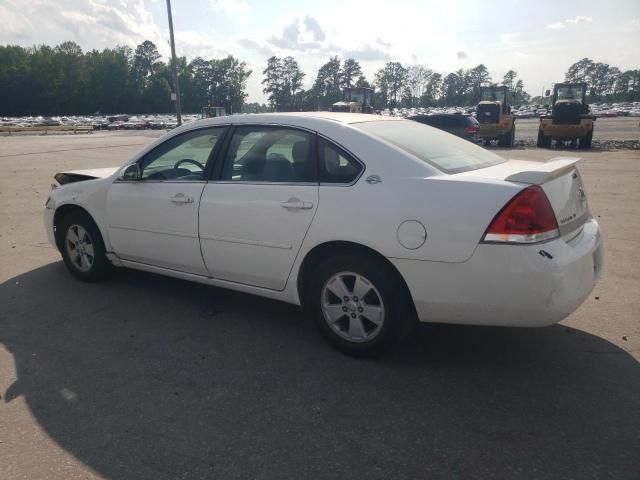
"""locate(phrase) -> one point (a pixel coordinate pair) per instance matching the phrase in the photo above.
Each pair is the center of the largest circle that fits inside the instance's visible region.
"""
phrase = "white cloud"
(577, 19)
(462, 55)
(192, 44)
(90, 23)
(314, 27)
(580, 19)
(257, 46)
(230, 7)
(508, 38)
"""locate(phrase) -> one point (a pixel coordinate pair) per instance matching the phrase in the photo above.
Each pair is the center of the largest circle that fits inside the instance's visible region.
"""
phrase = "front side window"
(335, 165)
(270, 154)
(181, 158)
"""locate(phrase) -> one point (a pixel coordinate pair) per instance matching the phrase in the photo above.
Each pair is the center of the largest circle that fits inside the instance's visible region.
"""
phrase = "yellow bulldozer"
(213, 112)
(494, 116)
(355, 100)
(569, 120)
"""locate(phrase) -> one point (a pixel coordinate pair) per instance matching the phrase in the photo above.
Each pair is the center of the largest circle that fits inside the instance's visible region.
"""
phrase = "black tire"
(399, 314)
(543, 140)
(100, 267)
(512, 137)
(585, 141)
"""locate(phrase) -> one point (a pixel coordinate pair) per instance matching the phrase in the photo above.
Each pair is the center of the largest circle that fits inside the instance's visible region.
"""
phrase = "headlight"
(48, 203)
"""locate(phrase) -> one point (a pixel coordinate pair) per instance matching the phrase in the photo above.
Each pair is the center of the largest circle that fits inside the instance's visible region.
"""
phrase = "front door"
(154, 220)
(254, 217)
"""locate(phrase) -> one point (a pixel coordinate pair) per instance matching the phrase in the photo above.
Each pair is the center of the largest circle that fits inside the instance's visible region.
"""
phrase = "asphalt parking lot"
(146, 377)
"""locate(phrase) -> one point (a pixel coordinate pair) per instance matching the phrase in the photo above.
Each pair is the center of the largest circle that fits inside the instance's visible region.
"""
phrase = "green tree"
(432, 91)
(509, 79)
(391, 82)
(362, 82)
(273, 82)
(417, 81)
(350, 70)
(328, 82)
(144, 61)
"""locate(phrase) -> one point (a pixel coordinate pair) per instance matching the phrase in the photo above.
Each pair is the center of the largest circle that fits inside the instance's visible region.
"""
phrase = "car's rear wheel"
(82, 247)
(360, 304)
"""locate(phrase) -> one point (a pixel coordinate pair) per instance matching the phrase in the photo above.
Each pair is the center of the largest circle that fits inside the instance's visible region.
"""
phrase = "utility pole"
(175, 67)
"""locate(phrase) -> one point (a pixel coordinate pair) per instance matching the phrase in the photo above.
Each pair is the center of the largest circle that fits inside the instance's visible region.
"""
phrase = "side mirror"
(131, 173)
(547, 93)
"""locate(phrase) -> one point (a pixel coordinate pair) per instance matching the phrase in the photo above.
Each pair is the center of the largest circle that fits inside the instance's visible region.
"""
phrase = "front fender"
(90, 196)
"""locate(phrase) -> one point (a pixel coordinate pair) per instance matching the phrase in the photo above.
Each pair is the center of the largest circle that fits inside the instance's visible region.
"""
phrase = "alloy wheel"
(79, 247)
(352, 307)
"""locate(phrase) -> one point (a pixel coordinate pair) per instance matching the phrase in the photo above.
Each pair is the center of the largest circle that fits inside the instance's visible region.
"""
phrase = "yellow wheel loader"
(494, 116)
(355, 100)
(213, 112)
(569, 119)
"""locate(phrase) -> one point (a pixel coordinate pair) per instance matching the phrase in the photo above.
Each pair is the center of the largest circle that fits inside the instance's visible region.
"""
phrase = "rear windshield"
(444, 151)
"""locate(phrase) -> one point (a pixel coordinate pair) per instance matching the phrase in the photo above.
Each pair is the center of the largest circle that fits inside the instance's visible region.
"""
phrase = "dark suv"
(455, 123)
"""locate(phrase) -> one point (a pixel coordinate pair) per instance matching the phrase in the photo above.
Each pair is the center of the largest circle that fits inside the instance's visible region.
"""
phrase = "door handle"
(181, 199)
(296, 204)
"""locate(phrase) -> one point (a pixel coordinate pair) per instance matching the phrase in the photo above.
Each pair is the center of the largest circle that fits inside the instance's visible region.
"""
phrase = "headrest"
(299, 152)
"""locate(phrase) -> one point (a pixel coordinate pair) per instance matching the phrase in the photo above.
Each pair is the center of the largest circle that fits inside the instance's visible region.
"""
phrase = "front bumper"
(508, 285)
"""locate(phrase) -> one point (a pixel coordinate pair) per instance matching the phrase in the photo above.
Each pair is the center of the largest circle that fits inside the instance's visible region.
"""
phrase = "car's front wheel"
(82, 247)
(360, 304)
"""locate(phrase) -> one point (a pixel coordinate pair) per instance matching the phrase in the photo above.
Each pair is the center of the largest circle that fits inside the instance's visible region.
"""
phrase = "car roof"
(310, 120)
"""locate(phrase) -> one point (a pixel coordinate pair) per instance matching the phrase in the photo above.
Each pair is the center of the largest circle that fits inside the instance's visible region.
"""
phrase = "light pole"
(175, 67)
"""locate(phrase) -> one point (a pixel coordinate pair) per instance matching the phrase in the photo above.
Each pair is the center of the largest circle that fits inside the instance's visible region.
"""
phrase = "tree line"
(604, 82)
(395, 85)
(64, 80)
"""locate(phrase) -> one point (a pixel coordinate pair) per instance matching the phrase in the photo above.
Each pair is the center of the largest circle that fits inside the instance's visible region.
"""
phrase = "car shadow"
(145, 377)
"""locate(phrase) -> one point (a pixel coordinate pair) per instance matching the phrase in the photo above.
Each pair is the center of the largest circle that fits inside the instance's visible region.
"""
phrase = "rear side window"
(335, 165)
(451, 122)
(270, 154)
(435, 147)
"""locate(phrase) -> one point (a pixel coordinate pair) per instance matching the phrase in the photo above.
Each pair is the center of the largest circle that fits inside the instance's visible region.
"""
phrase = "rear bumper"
(492, 131)
(508, 285)
(566, 130)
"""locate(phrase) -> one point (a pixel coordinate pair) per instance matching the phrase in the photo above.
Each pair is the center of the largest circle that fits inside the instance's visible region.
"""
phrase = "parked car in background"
(460, 125)
(367, 221)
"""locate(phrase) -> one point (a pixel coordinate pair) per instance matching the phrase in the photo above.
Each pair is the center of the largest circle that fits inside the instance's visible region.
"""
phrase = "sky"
(538, 39)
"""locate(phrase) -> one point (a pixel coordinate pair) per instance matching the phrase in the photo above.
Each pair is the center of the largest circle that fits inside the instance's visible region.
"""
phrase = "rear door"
(256, 212)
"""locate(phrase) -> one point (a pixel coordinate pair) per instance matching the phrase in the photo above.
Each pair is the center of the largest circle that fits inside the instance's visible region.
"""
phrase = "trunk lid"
(560, 180)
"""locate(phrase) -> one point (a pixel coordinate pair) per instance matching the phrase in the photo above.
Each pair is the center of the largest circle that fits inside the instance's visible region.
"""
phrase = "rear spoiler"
(545, 172)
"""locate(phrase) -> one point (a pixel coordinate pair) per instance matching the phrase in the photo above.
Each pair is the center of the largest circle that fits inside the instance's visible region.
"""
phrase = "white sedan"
(367, 221)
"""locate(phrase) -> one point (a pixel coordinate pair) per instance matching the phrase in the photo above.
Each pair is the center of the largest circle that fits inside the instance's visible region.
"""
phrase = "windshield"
(442, 150)
(570, 93)
(357, 95)
(492, 95)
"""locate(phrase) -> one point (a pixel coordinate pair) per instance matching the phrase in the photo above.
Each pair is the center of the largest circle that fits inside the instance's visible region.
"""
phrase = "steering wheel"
(188, 160)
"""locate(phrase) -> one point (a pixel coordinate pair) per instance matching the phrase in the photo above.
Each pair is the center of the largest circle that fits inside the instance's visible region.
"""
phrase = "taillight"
(470, 129)
(526, 218)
